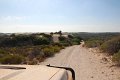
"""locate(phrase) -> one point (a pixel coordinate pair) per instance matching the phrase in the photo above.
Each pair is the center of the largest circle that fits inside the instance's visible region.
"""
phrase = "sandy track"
(87, 65)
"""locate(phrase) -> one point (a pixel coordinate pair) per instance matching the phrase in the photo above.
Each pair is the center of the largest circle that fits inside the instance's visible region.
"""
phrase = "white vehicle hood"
(32, 72)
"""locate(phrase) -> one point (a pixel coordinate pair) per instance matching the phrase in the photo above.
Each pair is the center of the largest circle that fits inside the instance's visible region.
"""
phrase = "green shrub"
(111, 46)
(34, 53)
(28, 52)
(51, 50)
(65, 44)
(11, 59)
(56, 49)
(3, 53)
(70, 36)
(48, 52)
(41, 41)
(75, 41)
(57, 44)
(116, 58)
(62, 38)
(9, 42)
(33, 62)
(93, 43)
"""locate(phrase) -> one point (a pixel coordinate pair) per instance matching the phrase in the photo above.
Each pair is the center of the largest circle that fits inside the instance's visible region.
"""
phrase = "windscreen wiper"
(11, 67)
(66, 68)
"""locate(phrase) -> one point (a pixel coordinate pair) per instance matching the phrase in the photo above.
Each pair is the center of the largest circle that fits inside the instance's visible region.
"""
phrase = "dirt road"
(87, 65)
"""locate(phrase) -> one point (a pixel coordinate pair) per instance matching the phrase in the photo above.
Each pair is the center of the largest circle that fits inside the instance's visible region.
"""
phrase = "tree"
(60, 33)
(51, 33)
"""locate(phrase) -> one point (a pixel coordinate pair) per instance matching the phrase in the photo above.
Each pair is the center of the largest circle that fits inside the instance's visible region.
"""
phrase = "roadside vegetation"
(32, 48)
(111, 46)
(108, 43)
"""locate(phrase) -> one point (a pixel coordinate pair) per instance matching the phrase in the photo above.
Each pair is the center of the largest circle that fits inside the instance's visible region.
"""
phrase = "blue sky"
(55, 15)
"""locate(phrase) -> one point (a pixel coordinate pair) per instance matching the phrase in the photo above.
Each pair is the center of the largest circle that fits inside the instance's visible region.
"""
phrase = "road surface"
(87, 65)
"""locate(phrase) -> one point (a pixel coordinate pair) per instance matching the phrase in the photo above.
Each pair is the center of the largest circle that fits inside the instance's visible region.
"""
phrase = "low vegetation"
(108, 43)
(91, 43)
(31, 48)
(11, 59)
(116, 58)
(111, 46)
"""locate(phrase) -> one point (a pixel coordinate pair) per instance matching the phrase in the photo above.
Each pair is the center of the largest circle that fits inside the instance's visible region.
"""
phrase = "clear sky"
(55, 15)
